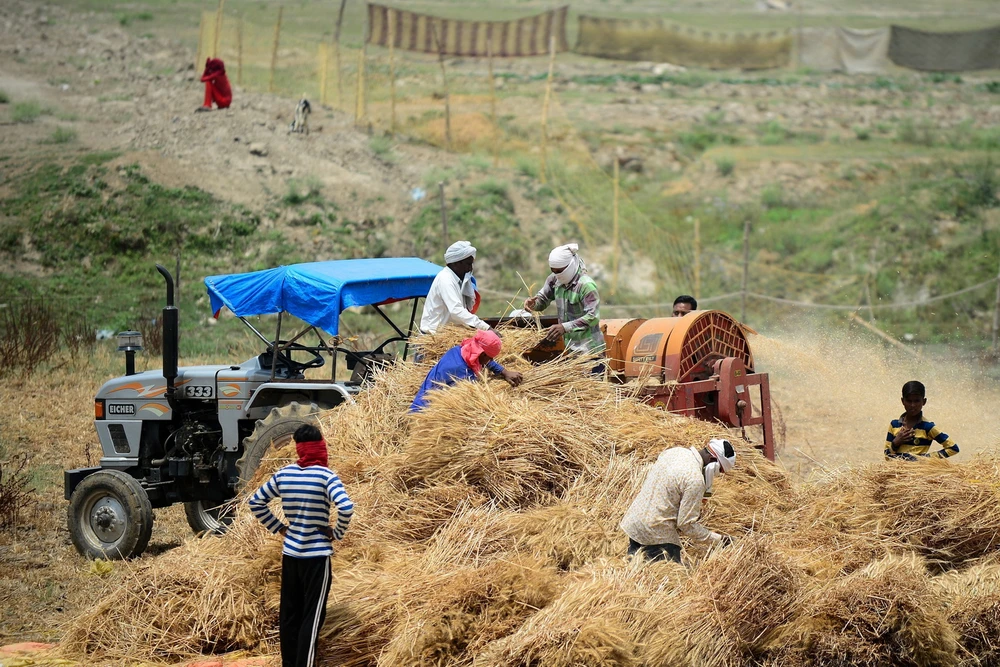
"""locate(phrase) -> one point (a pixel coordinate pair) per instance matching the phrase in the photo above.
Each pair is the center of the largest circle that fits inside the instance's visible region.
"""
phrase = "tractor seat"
(363, 365)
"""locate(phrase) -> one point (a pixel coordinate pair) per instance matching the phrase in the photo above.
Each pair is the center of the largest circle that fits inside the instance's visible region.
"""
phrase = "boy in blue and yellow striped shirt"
(911, 435)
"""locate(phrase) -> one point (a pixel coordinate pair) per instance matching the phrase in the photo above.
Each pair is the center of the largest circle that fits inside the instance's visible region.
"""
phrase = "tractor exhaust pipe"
(170, 338)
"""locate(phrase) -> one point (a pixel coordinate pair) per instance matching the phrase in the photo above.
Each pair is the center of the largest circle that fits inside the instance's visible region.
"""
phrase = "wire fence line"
(765, 297)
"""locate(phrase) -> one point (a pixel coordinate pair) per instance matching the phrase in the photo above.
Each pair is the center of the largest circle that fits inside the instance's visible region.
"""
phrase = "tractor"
(196, 435)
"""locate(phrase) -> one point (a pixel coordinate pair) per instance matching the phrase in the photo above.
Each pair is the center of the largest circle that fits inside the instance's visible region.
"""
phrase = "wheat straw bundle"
(730, 609)
(949, 512)
(187, 602)
(514, 450)
(756, 496)
(516, 341)
(886, 613)
(366, 603)
(973, 600)
(595, 622)
(469, 608)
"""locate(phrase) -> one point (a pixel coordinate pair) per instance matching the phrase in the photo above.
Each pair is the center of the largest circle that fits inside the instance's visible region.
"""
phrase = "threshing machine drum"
(684, 349)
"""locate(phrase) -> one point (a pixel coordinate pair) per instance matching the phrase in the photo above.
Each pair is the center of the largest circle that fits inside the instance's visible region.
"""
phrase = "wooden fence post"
(697, 259)
(616, 249)
(447, 94)
(274, 49)
(493, 102)
(746, 270)
(198, 60)
(324, 60)
(359, 96)
(444, 216)
(239, 52)
(545, 106)
(218, 28)
(996, 316)
(392, 71)
(336, 55)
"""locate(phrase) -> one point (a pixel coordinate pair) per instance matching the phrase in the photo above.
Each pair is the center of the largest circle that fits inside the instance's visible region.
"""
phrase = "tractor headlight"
(130, 341)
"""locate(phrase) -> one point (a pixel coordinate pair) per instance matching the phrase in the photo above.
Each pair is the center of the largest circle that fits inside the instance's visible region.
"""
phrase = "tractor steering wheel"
(317, 360)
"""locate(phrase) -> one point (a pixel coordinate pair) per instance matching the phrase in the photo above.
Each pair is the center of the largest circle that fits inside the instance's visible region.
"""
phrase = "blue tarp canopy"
(319, 291)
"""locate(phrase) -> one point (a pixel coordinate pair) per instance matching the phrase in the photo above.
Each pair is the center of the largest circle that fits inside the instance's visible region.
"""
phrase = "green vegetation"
(62, 135)
(725, 166)
(382, 147)
(309, 191)
(4, 97)
(26, 112)
(483, 212)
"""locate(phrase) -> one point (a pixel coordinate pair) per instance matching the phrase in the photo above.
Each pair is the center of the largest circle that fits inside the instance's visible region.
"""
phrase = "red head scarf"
(311, 453)
(483, 341)
(214, 67)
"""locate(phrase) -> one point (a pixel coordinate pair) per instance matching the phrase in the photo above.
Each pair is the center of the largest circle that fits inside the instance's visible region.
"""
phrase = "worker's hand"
(513, 378)
(904, 437)
(283, 531)
(529, 304)
(326, 532)
(555, 332)
(726, 541)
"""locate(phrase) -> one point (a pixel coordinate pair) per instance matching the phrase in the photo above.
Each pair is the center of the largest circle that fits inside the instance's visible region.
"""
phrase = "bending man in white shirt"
(669, 502)
(452, 296)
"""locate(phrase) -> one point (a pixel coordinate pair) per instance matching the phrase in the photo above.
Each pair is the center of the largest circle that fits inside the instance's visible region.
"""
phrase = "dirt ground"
(136, 96)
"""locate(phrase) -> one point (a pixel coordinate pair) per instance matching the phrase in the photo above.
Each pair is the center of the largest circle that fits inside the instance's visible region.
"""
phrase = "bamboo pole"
(444, 216)
(198, 63)
(545, 105)
(239, 52)
(218, 28)
(447, 94)
(746, 270)
(359, 97)
(493, 102)
(996, 316)
(392, 71)
(274, 49)
(336, 55)
(697, 259)
(324, 59)
(616, 250)
(883, 335)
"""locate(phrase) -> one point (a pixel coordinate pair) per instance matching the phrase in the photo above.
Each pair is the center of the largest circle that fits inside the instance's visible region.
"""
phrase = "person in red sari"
(217, 88)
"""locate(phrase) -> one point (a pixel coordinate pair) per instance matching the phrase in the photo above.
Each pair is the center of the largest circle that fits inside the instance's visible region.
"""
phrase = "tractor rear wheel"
(207, 516)
(110, 516)
(271, 434)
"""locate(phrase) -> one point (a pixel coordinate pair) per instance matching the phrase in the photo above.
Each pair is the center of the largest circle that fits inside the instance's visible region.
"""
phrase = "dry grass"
(486, 532)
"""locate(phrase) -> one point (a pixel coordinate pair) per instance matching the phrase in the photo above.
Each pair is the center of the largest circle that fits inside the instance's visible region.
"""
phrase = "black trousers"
(655, 552)
(305, 584)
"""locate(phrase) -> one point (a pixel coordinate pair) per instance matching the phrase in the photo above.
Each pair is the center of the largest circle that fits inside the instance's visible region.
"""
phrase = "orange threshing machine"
(699, 365)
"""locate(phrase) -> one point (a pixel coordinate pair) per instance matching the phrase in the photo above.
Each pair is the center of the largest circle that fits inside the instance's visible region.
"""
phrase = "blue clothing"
(306, 495)
(449, 370)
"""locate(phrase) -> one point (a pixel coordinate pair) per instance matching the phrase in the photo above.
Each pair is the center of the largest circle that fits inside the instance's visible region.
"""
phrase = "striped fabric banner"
(656, 40)
(510, 39)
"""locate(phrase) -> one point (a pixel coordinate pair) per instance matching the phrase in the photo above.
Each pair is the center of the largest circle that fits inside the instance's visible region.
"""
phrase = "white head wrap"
(458, 251)
(564, 257)
(718, 448)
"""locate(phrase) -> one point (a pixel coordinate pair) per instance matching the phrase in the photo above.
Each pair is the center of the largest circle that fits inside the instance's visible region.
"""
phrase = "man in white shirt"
(452, 296)
(669, 502)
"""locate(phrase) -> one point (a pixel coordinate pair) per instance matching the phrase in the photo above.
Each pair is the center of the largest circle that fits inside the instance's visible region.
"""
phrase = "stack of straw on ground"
(485, 533)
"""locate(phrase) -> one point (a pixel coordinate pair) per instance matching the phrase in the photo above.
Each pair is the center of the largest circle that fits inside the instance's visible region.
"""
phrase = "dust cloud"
(837, 390)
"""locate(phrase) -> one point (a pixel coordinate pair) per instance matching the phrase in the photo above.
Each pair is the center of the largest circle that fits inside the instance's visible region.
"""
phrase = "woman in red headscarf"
(217, 88)
(465, 362)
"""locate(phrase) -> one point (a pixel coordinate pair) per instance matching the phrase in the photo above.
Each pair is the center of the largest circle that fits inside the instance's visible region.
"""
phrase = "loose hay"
(486, 532)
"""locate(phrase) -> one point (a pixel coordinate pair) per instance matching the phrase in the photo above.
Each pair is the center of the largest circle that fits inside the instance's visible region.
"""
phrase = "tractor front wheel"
(110, 516)
(271, 434)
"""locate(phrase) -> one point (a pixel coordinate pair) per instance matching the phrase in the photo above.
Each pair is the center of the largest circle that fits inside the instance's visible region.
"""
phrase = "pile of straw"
(486, 532)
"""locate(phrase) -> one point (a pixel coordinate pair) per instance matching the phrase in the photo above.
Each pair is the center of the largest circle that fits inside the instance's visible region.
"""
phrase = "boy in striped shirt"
(911, 435)
(307, 489)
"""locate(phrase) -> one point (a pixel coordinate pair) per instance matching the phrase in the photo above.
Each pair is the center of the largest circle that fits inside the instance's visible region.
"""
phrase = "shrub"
(862, 133)
(725, 166)
(907, 132)
(26, 112)
(381, 146)
(772, 196)
(29, 335)
(4, 97)
(62, 135)
(16, 492)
